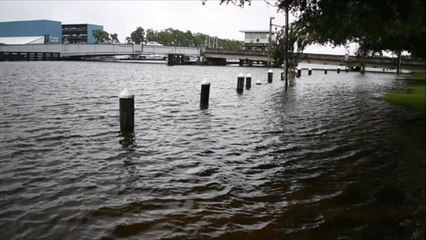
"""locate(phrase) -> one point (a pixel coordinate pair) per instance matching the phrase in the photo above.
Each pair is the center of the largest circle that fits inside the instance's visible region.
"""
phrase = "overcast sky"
(123, 17)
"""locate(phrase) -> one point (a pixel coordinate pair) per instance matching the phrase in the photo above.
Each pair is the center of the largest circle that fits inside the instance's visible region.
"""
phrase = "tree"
(177, 37)
(391, 25)
(114, 38)
(297, 42)
(151, 35)
(138, 36)
(101, 36)
(129, 40)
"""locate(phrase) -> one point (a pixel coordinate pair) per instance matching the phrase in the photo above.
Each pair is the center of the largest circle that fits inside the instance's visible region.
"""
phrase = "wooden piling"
(270, 75)
(127, 111)
(205, 94)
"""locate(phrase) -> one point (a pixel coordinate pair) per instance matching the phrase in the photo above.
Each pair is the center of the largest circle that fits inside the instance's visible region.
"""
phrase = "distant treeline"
(175, 37)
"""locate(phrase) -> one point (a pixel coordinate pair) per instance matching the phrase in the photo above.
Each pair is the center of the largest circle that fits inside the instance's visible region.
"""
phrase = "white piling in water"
(299, 72)
(270, 75)
(248, 81)
(127, 111)
(240, 83)
(205, 94)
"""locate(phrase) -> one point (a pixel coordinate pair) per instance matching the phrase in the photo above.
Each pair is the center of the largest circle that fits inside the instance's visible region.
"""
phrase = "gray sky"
(122, 17)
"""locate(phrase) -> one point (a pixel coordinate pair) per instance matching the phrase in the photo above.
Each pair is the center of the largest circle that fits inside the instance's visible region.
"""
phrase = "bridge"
(75, 51)
(213, 56)
(249, 57)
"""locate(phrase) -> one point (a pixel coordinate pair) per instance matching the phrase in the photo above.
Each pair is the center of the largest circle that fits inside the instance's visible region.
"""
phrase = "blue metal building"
(34, 28)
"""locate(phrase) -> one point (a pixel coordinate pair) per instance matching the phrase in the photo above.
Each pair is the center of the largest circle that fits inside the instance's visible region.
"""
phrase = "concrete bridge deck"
(350, 61)
(57, 51)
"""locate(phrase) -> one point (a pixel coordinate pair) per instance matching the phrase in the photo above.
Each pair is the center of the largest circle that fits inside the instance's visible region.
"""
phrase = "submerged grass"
(410, 169)
(414, 95)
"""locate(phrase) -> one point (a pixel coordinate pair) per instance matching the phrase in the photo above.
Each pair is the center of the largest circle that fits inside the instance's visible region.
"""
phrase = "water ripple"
(253, 166)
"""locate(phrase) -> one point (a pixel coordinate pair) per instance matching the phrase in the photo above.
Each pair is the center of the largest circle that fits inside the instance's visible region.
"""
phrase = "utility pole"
(270, 36)
(286, 48)
(270, 29)
(398, 66)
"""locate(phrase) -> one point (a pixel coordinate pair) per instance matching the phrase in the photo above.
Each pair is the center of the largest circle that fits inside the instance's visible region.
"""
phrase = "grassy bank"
(414, 95)
(410, 165)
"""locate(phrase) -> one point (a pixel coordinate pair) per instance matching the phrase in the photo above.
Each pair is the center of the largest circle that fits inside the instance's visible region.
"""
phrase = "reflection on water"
(260, 165)
(127, 140)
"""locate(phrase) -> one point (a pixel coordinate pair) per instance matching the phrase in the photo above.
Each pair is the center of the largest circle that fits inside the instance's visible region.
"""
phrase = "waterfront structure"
(257, 40)
(46, 31)
(79, 33)
(35, 31)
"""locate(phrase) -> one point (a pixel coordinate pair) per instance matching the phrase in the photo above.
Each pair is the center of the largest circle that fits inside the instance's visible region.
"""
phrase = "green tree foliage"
(114, 38)
(175, 37)
(138, 36)
(392, 25)
(101, 36)
(151, 35)
(297, 42)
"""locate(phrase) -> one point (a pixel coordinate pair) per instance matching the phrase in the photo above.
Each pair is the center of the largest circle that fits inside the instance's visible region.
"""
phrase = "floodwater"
(264, 164)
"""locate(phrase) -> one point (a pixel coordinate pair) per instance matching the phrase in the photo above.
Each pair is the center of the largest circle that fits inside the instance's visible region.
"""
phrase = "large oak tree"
(377, 25)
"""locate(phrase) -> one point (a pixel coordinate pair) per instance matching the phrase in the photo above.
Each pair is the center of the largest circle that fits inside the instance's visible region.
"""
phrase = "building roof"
(255, 31)
(30, 21)
(73, 24)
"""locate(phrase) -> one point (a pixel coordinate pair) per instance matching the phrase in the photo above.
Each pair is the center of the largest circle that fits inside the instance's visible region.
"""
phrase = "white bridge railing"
(70, 50)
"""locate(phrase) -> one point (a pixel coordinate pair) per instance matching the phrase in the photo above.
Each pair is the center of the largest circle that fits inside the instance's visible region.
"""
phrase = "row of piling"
(299, 71)
(127, 103)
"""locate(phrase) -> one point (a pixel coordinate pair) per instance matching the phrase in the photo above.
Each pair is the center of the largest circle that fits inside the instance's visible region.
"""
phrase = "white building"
(257, 40)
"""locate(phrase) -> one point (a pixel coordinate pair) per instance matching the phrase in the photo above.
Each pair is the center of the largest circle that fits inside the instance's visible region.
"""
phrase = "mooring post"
(338, 69)
(310, 71)
(240, 83)
(248, 81)
(127, 111)
(270, 75)
(205, 94)
(282, 75)
(347, 69)
(299, 72)
(325, 70)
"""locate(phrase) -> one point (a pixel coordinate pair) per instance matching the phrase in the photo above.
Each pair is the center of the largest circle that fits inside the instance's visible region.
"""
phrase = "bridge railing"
(164, 50)
(52, 48)
(236, 52)
(99, 49)
(69, 50)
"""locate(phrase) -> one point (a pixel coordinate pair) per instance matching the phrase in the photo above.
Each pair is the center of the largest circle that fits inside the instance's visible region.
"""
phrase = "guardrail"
(75, 50)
